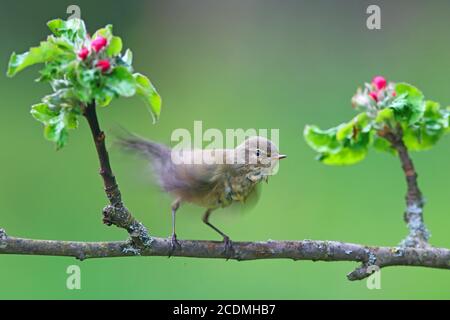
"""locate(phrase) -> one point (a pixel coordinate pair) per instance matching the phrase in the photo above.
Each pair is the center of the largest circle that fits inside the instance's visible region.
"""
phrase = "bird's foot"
(228, 247)
(174, 244)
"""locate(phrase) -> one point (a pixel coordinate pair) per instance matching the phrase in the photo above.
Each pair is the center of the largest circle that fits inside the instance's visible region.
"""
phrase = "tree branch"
(418, 233)
(115, 213)
(369, 257)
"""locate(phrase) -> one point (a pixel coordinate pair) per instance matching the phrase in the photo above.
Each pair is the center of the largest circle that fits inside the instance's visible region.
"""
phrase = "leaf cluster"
(422, 122)
(77, 82)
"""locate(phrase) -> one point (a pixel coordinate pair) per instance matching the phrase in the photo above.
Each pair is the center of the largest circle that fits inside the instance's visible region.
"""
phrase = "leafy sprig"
(81, 70)
(384, 107)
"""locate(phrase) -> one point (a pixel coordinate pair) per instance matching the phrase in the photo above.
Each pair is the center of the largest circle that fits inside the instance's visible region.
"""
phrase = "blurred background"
(232, 64)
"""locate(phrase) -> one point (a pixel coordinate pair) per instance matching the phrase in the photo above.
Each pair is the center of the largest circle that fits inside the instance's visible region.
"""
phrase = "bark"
(371, 258)
(418, 233)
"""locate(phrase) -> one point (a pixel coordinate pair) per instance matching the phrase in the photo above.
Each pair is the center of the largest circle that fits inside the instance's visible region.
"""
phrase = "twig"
(115, 213)
(418, 233)
(370, 257)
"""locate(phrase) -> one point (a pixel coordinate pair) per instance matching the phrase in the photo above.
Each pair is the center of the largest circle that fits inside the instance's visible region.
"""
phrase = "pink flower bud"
(373, 95)
(83, 53)
(379, 82)
(394, 94)
(103, 65)
(98, 43)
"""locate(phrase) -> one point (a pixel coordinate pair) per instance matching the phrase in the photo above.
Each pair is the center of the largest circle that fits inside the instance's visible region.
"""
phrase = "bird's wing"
(241, 207)
(191, 177)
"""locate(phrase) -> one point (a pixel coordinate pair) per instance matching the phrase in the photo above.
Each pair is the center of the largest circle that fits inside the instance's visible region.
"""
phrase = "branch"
(295, 250)
(418, 233)
(115, 213)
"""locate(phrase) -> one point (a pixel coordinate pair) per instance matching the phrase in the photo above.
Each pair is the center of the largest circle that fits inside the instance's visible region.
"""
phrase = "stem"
(418, 233)
(115, 213)
(109, 180)
(371, 258)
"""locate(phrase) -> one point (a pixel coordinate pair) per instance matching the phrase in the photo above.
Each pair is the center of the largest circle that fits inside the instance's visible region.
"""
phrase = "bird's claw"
(228, 247)
(174, 244)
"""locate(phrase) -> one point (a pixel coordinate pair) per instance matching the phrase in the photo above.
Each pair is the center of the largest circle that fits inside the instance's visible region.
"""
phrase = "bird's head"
(258, 156)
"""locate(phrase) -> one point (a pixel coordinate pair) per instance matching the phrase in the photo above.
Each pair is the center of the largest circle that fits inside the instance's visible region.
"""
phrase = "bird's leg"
(173, 240)
(228, 250)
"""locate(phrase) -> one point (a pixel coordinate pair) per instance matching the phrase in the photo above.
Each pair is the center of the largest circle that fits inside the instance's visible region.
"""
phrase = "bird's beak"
(282, 156)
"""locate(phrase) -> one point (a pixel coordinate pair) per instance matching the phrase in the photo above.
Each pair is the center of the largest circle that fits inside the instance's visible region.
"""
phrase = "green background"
(231, 64)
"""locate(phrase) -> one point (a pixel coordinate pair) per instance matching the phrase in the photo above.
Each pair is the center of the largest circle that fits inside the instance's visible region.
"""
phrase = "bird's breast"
(236, 189)
(221, 190)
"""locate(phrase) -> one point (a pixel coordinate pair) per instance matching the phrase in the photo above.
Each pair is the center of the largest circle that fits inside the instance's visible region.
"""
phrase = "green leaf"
(360, 123)
(419, 138)
(381, 144)
(56, 129)
(64, 44)
(426, 133)
(121, 81)
(58, 84)
(57, 122)
(78, 26)
(347, 156)
(146, 89)
(322, 140)
(414, 108)
(114, 47)
(433, 111)
(73, 29)
(413, 95)
(363, 121)
(62, 98)
(128, 57)
(343, 145)
(104, 97)
(61, 68)
(44, 53)
(70, 118)
(385, 116)
(42, 112)
(56, 133)
(345, 131)
(56, 26)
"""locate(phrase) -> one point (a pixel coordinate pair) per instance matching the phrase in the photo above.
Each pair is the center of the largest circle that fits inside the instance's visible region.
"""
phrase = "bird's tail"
(158, 155)
(141, 146)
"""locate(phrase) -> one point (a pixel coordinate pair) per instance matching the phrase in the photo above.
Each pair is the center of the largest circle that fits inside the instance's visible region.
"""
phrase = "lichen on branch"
(369, 257)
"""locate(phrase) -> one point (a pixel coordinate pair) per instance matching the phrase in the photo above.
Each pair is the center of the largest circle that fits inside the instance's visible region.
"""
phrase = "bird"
(209, 178)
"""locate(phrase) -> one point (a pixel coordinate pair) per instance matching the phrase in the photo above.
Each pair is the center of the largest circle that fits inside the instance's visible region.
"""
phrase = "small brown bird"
(209, 178)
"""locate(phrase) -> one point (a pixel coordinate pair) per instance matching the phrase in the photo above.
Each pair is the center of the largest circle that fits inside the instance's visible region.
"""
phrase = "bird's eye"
(258, 152)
